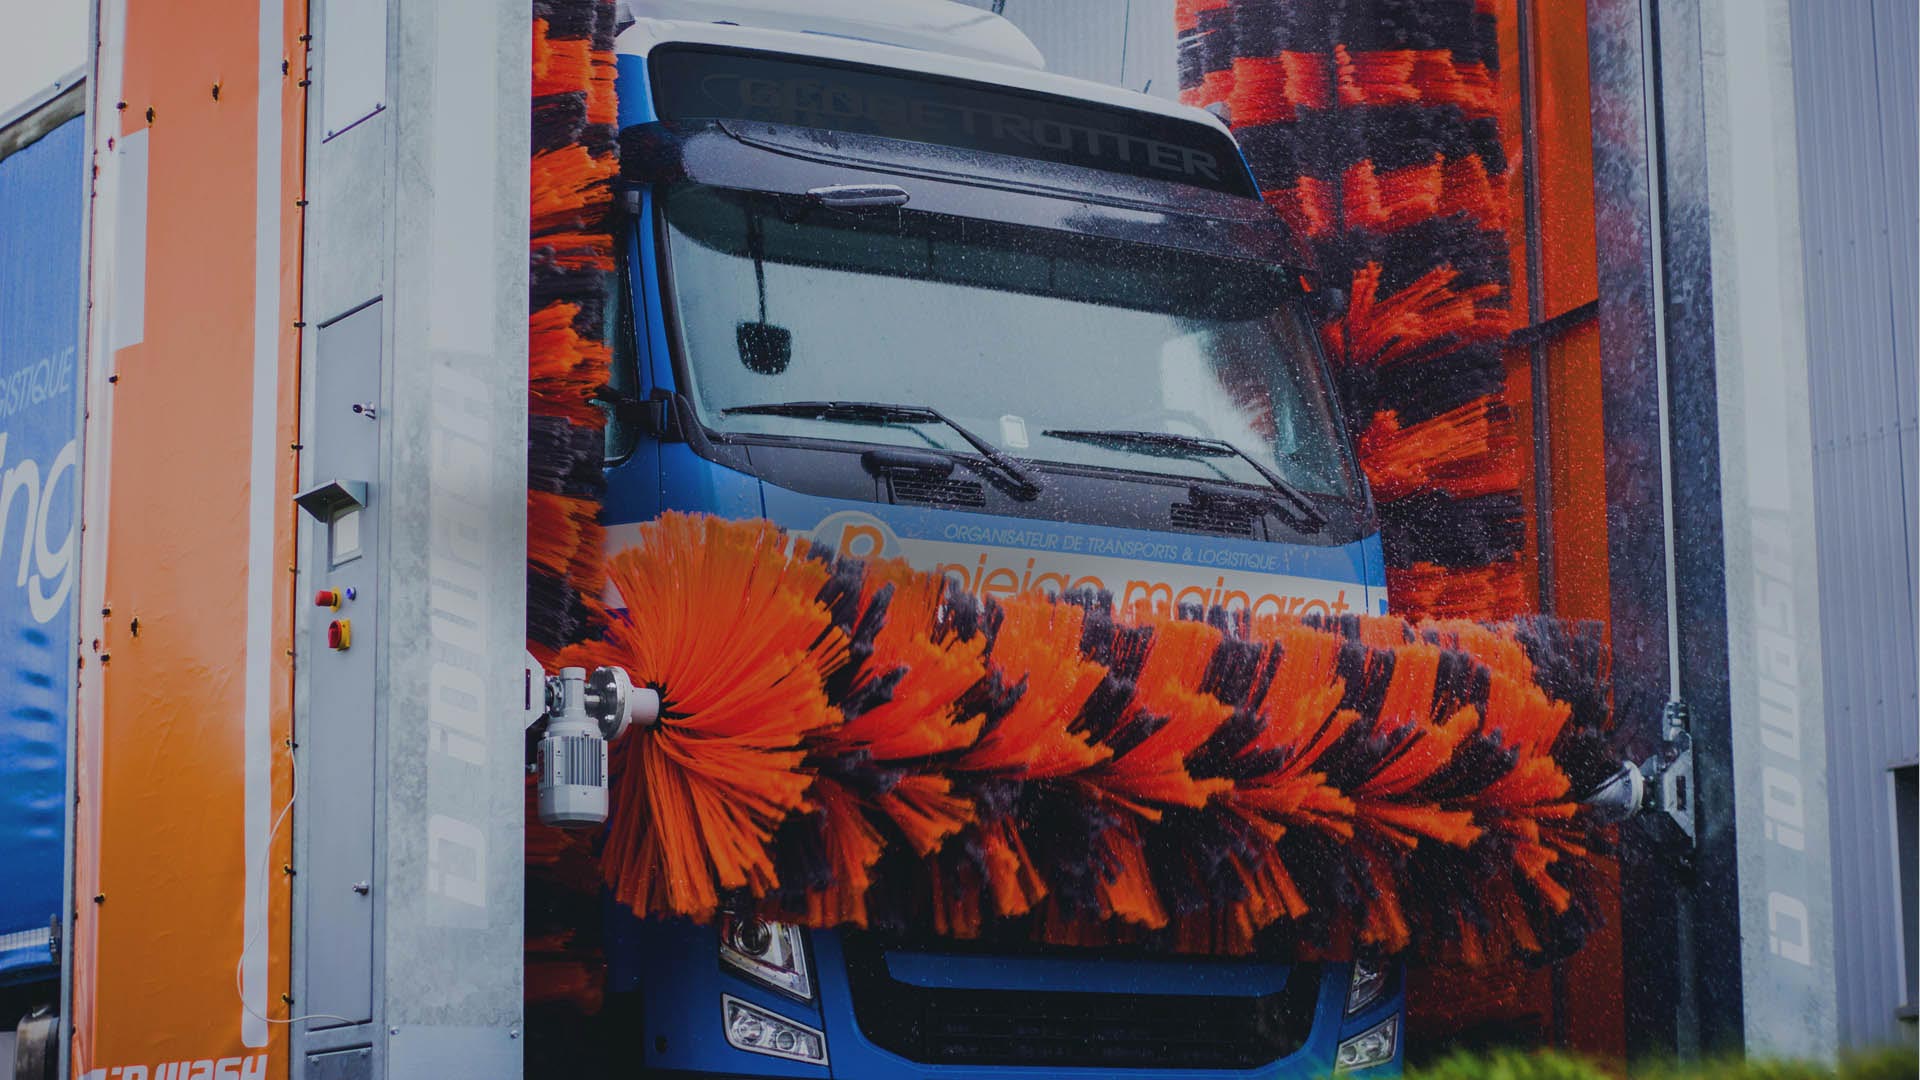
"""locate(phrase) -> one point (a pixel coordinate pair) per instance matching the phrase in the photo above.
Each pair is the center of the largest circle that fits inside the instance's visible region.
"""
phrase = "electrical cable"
(266, 857)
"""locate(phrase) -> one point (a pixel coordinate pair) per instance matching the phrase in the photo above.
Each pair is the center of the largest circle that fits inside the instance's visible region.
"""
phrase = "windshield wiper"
(1303, 512)
(1026, 487)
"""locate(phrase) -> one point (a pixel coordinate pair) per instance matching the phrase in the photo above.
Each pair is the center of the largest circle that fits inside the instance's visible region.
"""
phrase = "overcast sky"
(40, 42)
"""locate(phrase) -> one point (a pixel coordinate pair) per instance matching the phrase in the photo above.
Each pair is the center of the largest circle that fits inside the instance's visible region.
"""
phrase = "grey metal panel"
(353, 62)
(424, 204)
(129, 300)
(1775, 592)
(455, 632)
(347, 219)
(346, 262)
(1678, 1002)
(1126, 43)
(1897, 41)
(1854, 79)
(338, 742)
(341, 1065)
(453, 1051)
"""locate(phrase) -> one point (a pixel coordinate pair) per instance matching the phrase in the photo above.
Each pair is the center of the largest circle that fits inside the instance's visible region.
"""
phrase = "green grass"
(1891, 1064)
(1510, 1065)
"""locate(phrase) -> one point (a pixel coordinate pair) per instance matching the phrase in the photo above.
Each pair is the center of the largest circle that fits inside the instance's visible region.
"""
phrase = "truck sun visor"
(691, 83)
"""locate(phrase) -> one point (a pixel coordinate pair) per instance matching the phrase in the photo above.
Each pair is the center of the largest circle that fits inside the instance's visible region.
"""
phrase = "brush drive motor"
(584, 712)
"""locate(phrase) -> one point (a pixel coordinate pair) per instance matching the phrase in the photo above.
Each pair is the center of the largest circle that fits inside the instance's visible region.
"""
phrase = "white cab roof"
(933, 25)
(951, 41)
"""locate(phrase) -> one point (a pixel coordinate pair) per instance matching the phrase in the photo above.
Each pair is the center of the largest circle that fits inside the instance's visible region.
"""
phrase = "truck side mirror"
(765, 348)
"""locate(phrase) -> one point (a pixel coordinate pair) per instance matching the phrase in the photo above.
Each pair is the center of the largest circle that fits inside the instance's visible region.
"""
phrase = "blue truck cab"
(894, 287)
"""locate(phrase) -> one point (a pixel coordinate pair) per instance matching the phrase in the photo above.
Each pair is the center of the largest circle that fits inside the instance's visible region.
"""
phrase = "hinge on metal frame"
(1671, 770)
(53, 938)
(655, 416)
(1661, 785)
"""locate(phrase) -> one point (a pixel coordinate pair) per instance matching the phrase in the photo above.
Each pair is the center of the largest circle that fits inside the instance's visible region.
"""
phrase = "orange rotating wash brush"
(1373, 128)
(853, 743)
(845, 743)
(571, 258)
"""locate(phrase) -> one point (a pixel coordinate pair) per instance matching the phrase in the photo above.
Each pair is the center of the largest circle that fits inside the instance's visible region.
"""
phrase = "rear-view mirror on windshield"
(764, 347)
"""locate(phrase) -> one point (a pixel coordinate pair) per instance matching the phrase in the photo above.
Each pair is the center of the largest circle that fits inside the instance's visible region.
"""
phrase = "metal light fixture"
(1370, 1049)
(1365, 985)
(773, 954)
(760, 1031)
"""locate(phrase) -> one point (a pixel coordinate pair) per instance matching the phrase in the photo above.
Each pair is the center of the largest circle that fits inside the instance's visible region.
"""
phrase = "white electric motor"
(584, 713)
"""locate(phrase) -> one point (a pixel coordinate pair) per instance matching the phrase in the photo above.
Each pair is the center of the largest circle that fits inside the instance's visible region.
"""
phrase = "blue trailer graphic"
(41, 205)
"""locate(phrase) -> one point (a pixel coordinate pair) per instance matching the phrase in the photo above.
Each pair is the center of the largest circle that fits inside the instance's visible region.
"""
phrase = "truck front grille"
(1225, 519)
(1077, 1030)
(938, 490)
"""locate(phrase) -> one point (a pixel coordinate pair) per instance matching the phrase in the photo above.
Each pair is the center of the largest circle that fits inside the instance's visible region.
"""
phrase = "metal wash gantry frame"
(408, 837)
(1710, 593)
(1670, 926)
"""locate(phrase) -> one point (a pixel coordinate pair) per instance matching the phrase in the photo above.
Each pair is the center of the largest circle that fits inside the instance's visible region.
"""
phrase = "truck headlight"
(758, 1031)
(1368, 982)
(1370, 1048)
(770, 953)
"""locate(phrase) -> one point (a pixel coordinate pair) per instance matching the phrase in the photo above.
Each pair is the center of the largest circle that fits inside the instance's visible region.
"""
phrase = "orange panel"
(1502, 1003)
(1512, 129)
(1519, 374)
(1596, 1024)
(164, 794)
(1571, 278)
(1518, 1004)
(1519, 389)
(1565, 145)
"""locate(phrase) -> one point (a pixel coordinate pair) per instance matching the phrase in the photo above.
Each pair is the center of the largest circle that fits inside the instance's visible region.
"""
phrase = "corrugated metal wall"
(1854, 85)
(1127, 43)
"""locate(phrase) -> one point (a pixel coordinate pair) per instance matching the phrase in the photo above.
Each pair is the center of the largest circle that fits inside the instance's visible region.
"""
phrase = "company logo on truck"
(230, 1068)
(995, 558)
(42, 207)
(37, 495)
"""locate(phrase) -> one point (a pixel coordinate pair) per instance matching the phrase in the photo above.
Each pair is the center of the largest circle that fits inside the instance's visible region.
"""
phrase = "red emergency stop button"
(327, 598)
(340, 634)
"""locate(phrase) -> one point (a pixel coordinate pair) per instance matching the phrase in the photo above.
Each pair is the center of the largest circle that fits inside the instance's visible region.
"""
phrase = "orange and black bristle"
(1373, 129)
(570, 263)
(575, 158)
(855, 743)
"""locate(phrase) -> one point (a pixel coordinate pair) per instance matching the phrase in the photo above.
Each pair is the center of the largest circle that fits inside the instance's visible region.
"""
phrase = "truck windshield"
(1012, 332)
